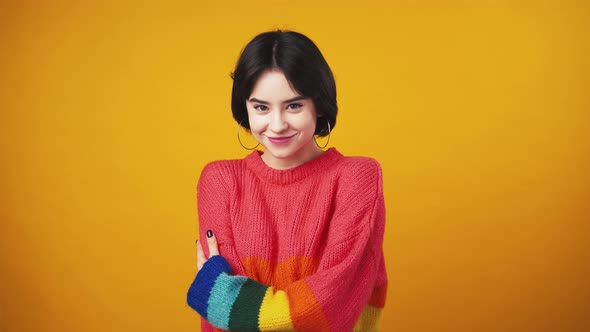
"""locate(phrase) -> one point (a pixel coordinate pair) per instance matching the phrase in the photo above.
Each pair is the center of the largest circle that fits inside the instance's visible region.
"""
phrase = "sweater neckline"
(285, 176)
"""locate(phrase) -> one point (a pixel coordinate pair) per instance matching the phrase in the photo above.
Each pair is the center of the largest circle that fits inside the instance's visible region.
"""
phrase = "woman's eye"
(261, 108)
(294, 106)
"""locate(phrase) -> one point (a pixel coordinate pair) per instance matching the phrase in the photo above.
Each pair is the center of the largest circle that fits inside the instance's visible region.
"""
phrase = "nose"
(278, 122)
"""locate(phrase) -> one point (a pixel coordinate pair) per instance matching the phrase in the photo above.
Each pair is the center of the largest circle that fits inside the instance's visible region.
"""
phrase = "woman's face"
(282, 121)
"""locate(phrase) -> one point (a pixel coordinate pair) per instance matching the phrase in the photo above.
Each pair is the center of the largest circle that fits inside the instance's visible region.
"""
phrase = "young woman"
(293, 234)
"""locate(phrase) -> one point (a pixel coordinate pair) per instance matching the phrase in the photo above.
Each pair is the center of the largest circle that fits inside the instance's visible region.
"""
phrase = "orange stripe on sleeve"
(306, 313)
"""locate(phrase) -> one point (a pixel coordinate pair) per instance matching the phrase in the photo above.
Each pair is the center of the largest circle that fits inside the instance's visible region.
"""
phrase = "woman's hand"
(213, 250)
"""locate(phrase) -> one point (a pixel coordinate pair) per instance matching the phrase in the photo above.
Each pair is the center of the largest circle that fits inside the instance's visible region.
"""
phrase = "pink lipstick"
(280, 140)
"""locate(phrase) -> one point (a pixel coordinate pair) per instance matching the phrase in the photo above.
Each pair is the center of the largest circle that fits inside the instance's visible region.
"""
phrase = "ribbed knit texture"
(301, 249)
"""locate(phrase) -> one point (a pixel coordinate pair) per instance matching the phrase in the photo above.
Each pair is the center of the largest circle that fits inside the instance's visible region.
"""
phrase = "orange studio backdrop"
(478, 111)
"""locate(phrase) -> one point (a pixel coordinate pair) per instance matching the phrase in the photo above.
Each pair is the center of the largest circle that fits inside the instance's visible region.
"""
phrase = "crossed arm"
(350, 273)
(331, 299)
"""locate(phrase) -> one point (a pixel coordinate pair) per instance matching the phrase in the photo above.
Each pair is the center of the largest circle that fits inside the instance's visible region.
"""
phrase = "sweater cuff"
(200, 290)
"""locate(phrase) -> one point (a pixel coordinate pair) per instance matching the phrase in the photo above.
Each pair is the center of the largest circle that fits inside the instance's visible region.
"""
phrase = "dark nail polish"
(209, 233)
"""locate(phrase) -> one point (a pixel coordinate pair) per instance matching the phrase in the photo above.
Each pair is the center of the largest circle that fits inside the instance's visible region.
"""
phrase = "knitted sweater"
(300, 249)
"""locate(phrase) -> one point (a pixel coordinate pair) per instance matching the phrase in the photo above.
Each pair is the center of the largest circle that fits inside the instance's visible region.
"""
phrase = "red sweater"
(304, 245)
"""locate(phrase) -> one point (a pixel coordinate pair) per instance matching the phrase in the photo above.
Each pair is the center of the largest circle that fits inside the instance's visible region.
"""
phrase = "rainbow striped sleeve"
(237, 303)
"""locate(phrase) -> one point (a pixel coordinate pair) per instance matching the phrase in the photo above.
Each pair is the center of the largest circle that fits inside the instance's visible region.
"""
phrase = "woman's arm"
(214, 205)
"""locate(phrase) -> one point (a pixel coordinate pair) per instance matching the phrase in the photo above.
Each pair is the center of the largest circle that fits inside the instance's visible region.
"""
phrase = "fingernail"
(209, 233)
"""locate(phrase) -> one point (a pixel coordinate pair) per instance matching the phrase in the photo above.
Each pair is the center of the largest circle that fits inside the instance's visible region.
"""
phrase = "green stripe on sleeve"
(246, 308)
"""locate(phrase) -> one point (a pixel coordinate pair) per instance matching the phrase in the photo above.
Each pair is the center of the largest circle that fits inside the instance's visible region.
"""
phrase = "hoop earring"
(328, 141)
(242, 144)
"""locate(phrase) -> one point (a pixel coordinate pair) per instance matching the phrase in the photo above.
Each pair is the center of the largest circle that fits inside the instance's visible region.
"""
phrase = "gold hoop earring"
(242, 144)
(329, 133)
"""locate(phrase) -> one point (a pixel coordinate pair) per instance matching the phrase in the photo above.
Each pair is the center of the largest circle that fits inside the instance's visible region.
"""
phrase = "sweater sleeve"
(214, 206)
(333, 297)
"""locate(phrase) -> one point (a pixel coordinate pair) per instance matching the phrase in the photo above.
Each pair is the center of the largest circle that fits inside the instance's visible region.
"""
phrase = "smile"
(280, 140)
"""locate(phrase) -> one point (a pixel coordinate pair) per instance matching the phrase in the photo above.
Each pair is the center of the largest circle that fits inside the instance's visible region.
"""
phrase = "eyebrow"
(255, 100)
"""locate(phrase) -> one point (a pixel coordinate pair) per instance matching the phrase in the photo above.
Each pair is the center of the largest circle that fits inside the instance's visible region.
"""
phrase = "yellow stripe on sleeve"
(274, 312)
(370, 320)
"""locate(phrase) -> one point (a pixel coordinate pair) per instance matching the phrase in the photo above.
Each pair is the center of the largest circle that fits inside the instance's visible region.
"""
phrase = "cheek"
(256, 123)
(309, 119)
(307, 123)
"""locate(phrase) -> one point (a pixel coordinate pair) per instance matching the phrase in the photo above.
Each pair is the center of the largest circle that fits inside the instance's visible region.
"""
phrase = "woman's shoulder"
(360, 166)
(221, 171)
(360, 161)
(360, 174)
(221, 165)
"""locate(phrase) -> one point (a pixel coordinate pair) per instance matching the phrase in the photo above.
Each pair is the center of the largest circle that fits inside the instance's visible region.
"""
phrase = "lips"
(280, 140)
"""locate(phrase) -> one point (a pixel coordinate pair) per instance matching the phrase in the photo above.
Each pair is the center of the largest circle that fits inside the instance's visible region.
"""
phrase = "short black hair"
(302, 63)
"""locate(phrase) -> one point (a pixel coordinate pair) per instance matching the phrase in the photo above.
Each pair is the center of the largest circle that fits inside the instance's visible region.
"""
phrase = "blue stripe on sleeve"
(223, 295)
(200, 290)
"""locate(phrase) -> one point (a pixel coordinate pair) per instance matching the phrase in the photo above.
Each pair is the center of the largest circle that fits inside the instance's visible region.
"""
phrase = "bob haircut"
(302, 63)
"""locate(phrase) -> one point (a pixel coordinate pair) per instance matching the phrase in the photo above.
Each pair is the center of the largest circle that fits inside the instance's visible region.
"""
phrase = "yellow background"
(477, 110)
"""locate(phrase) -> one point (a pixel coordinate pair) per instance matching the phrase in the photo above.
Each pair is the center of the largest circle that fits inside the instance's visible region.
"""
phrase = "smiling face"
(282, 121)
